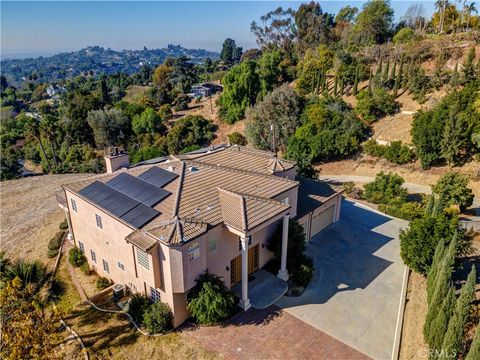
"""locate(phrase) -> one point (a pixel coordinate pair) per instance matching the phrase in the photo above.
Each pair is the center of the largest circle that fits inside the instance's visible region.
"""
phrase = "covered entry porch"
(264, 289)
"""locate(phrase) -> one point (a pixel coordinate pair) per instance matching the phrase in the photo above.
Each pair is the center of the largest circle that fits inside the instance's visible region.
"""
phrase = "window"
(142, 258)
(74, 205)
(285, 201)
(194, 252)
(98, 218)
(120, 265)
(93, 256)
(212, 244)
(154, 295)
(81, 247)
(105, 266)
(240, 242)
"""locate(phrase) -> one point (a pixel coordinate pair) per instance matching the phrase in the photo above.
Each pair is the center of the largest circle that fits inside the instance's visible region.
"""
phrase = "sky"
(34, 28)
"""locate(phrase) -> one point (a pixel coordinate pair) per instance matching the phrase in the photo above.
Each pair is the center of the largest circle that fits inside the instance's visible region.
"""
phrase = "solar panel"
(157, 176)
(140, 215)
(111, 200)
(137, 189)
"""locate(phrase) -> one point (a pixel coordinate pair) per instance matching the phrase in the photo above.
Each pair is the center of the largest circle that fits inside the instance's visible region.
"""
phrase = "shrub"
(395, 152)
(211, 301)
(63, 225)
(76, 257)
(385, 189)
(408, 211)
(404, 35)
(54, 244)
(103, 283)
(138, 307)
(376, 103)
(187, 131)
(351, 190)
(452, 189)
(158, 318)
(236, 138)
(52, 253)
(86, 269)
(303, 274)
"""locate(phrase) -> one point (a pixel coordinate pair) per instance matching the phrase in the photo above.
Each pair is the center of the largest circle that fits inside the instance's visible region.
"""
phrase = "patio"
(264, 289)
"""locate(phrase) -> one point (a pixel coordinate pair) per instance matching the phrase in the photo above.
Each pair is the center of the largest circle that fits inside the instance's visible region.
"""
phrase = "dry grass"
(134, 93)
(30, 215)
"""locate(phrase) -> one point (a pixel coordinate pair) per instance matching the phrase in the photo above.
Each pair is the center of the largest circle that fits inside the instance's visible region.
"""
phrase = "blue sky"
(42, 28)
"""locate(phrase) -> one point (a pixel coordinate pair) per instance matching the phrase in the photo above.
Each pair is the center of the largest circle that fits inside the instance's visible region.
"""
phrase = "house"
(205, 89)
(156, 227)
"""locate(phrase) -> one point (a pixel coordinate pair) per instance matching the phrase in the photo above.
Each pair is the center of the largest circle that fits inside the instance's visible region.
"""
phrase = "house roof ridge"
(199, 163)
(257, 152)
(251, 196)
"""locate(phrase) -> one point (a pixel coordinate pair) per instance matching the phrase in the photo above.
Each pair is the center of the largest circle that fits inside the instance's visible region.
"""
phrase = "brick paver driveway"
(355, 292)
(271, 334)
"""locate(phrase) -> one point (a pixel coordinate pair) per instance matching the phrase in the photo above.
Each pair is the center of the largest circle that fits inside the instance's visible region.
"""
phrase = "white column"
(244, 302)
(283, 273)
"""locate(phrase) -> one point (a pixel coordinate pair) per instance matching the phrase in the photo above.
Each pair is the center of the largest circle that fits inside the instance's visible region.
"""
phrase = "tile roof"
(242, 158)
(312, 194)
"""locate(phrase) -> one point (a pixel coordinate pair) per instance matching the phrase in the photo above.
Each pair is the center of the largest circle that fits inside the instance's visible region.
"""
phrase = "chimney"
(116, 159)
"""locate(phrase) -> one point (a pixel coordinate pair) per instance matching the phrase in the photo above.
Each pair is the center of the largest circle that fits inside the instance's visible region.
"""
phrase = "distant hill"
(94, 60)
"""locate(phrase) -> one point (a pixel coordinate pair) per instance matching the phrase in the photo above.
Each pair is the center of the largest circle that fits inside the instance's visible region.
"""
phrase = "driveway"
(355, 293)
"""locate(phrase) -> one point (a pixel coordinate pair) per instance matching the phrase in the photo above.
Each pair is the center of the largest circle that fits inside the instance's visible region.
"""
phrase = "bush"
(181, 103)
(395, 152)
(138, 307)
(76, 257)
(404, 35)
(452, 189)
(385, 189)
(351, 190)
(236, 138)
(407, 211)
(158, 318)
(103, 283)
(376, 103)
(211, 300)
(63, 225)
(303, 274)
(54, 244)
(86, 269)
(188, 131)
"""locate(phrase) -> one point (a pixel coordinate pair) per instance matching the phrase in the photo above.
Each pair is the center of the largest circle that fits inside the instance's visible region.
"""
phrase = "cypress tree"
(369, 81)
(398, 79)
(386, 71)
(442, 286)
(430, 204)
(468, 66)
(452, 343)
(335, 85)
(357, 76)
(394, 70)
(432, 274)
(440, 323)
(379, 68)
(474, 353)
(454, 78)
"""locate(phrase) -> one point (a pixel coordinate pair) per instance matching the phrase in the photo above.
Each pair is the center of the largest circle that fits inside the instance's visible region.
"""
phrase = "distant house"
(206, 89)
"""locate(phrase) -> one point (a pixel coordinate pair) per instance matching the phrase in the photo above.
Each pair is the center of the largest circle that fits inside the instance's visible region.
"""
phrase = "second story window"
(74, 205)
(142, 258)
(81, 247)
(105, 267)
(194, 252)
(98, 219)
(93, 256)
(212, 244)
(121, 266)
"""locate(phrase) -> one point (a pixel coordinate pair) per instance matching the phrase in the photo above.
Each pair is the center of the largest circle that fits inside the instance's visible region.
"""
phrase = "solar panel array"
(137, 189)
(123, 206)
(157, 176)
(131, 198)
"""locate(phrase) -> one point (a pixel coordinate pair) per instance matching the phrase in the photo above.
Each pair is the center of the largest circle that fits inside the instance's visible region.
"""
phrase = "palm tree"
(34, 129)
(33, 275)
(441, 5)
(470, 9)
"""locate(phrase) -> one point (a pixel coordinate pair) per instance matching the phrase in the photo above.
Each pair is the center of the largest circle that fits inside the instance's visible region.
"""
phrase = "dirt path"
(29, 213)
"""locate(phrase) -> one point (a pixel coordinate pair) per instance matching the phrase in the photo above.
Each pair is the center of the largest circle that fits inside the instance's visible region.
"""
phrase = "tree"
(162, 76)
(435, 268)
(474, 352)
(452, 342)
(188, 131)
(453, 189)
(404, 35)
(157, 318)
(271, 71)
(148, 122)
(469, 66)
(312, 68)
(373, 23)
(10, 167)
(419, 241)
(33, 128)
(275, 118)
(376, 103)
(110, 127)
(241, 85)
(313, 26)
(385, 189)
(211, 301)
(231, 53)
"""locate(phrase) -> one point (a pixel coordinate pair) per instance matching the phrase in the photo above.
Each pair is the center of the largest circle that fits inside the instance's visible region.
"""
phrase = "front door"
(236, 264)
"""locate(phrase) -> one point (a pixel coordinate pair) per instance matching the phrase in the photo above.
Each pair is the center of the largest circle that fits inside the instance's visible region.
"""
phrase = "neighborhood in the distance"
(240, 180)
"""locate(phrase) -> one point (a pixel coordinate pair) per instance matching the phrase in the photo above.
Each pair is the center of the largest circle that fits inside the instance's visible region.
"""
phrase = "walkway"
(271, 334)
(264, 289)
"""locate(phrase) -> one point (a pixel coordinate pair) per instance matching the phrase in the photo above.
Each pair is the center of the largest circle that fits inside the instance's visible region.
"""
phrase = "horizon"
(32, 29)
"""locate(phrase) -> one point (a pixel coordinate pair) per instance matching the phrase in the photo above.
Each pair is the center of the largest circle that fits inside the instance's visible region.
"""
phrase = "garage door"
(321, 220)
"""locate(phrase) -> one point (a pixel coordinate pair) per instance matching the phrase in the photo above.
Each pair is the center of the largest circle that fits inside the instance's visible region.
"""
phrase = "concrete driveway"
(355, 293)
